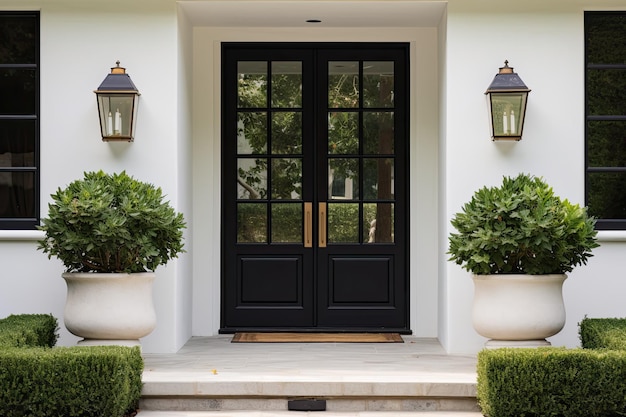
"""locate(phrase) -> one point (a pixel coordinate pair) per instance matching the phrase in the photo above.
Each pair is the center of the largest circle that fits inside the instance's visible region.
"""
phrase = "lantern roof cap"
(506, 80)
(118, 81)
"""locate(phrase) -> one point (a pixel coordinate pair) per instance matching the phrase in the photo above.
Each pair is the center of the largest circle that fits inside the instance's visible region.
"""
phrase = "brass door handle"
(308, 225)
(322, 225)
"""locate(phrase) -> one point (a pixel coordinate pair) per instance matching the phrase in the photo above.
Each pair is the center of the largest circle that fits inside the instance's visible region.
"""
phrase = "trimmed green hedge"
(516, 382)
(37, 380)
(603, 333)
(28, 330)
(92, 381)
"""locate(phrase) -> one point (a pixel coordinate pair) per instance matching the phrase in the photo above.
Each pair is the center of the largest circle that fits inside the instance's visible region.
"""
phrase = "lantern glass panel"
(507, 113)
(116, 114)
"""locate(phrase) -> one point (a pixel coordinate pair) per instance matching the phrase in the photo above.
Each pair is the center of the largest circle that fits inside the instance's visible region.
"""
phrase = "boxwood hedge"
(37, 380)
(515, 382)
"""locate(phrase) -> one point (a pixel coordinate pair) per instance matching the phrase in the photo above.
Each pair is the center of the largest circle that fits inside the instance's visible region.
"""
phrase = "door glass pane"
(378, 224)
(251, 178)
(378, 178)
(343, 84)
(287, 178)
(343, 178)
(287, 223)
(343, 223)
(251, 223)
(343, 132)
(287, 84)
(378, 84)
(252, 132)
(378, 133)
(252, 84)
(287, 133)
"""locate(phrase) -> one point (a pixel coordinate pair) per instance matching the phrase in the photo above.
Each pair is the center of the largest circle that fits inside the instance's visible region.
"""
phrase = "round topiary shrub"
(111, 223)
(521, 227)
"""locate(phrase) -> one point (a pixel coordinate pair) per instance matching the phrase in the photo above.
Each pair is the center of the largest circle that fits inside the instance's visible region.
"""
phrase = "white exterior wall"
(176, 68)
(545, 45)
(80, 42)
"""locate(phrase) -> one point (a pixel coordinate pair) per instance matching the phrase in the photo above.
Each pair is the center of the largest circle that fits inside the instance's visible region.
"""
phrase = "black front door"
(314, 187)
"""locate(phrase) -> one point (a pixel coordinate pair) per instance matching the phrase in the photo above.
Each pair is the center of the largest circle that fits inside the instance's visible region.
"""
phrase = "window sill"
(611, 236)
(21, 235)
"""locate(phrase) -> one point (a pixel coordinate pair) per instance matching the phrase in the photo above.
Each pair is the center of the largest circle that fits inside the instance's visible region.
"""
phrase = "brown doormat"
(317, 338)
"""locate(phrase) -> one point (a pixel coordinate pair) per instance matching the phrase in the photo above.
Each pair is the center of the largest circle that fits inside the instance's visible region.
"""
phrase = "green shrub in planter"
(521, 227)
(560, 382)
(28, 330)
(603, 333)
(111, 223)
(93, 381)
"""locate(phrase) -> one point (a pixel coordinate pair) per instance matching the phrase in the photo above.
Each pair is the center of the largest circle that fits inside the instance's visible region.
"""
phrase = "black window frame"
(27, 223)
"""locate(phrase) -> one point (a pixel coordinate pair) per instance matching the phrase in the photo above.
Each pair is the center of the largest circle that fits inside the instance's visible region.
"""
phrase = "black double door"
(314, 187)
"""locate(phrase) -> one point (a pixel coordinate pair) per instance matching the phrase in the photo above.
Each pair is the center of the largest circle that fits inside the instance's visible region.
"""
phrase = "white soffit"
(295, 13)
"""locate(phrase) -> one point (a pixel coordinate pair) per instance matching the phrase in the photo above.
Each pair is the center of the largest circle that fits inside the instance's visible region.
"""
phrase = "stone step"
(247, 413)
(202, 394)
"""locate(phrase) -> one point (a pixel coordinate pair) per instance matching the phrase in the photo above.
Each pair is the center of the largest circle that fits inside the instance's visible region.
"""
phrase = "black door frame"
(401, 229)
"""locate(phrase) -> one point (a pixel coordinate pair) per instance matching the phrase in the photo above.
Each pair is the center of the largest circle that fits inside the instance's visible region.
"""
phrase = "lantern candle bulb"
(118, 122)
(505, 122)
(512, 122)
(109, 130)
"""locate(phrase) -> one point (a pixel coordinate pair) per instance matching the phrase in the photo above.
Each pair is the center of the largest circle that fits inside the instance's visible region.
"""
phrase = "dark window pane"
(606, 143)
(18, 39)
(18, 91)
(17, 194)
(606, 198)
(17, 143)
(606, 38)
(606, 90)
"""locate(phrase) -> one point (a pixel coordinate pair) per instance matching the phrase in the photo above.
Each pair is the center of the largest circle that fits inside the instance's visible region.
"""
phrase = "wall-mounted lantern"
(117, 106)
(506, 98)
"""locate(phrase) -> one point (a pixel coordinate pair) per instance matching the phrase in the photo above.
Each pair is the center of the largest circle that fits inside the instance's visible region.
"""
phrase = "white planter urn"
(107, 309)
(518, 310)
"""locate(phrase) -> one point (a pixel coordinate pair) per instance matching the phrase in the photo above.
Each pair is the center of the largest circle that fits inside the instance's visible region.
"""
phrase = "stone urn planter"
(111, 232)
(114, 308)
(518, 310)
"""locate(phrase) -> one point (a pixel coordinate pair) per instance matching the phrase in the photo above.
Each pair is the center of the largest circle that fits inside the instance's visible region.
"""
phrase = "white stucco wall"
(176, 68)
(80, 42)
(544, 42)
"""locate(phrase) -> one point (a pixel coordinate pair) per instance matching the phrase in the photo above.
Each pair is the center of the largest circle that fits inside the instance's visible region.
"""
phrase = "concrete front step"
(212, 375)
(345, 396)
(144, 413)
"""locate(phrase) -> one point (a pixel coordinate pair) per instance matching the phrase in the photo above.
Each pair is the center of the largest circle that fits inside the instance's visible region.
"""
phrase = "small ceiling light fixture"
(506, 99)
(117, 106)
